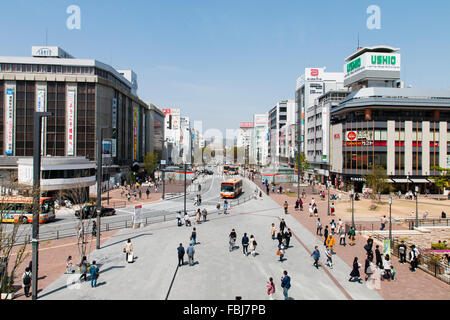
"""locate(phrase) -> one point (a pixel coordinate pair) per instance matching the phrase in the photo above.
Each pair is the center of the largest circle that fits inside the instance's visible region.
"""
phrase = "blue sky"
(222, 61)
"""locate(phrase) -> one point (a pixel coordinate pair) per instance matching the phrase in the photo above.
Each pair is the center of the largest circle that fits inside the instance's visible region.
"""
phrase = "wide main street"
(217, 273)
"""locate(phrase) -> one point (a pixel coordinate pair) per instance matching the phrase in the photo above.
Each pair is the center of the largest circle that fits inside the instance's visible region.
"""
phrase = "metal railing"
(427, 222)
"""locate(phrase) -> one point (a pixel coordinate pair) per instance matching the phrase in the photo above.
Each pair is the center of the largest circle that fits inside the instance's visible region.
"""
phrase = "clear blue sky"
(221, 61)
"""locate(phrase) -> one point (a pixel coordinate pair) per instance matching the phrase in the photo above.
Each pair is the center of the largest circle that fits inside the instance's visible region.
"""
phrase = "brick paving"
(411, 286)
(52, 260)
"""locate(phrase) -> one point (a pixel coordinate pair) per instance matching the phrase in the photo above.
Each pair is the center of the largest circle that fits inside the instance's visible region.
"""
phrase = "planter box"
(7, 296)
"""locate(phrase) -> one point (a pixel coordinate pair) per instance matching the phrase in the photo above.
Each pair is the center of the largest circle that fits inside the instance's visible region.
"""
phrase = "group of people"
(135, 191)
(187, 219)
(283, 235)
(247, 243)
(285, 284)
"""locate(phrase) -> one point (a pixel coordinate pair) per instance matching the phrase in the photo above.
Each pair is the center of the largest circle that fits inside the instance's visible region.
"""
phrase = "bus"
(225, 169)
(20, 209)
(234, 170)
(231, 188)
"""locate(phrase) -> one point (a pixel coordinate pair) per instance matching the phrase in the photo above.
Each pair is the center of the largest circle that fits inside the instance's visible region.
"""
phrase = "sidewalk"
(412, 286)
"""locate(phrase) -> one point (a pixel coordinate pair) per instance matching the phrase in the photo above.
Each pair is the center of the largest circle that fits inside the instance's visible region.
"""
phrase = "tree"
(131, 178)
(378, 180)
(304, 165)
(151, 163)
(443, 179)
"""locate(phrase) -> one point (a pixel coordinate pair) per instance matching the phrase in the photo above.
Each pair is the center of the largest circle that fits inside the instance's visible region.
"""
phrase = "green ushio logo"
(384, 60)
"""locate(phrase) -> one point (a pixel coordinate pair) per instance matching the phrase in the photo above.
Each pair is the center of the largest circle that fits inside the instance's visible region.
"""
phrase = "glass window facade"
(25, 107)
(56, 124)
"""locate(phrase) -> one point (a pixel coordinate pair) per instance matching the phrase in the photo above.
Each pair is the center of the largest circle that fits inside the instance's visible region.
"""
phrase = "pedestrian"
(368, 268)
(26, 281)
(285, 206)
(329, 255)
(83, 268)
(342, 237)
(316, 211)
(393, 273)
(187, 220)
(179, 220)
(310, 209)
(245, 242)
(355, 271)
(94, 271)
(417, 256)
(198, 214)
(190, 252)
(412, 258)
(319, 227)
(383, 222)
(94, 228)
(204, 214)
(402, 252)
(297, 204)
(368, 248)
(300, 203)
(378, 260)
(273, 188)
(287, 236)
(232, 238)
(267, 189)
(332, 209)
(351, 235)
(279, 237)
(387, 268)
(330, 242)
(193, 237)
(225, 206)
(282, 225)
(325, 236)
(270, 288)
(140, 193)
(79, 233)
(180, 250)
(281, 251)
(218, 208)
(316, 255)
(69, 265)
(253, 245)
(332, 226)
(128, 250)
(285, 284)
(147, 192)
(273, 231)
(199, 200)
(340, 226)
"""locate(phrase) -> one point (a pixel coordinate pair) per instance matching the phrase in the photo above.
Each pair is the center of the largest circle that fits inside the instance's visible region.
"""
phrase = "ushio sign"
(373, 61)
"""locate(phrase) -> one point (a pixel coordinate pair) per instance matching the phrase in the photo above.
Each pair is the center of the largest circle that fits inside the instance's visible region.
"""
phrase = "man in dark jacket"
(379, 261)
(325, 236)
(180, 255)
(282, 225)
(287, 236)
(245, 241)
(402, 252)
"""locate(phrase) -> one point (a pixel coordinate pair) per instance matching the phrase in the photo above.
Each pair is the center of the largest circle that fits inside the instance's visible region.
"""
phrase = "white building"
(279, 116)
(260, 141)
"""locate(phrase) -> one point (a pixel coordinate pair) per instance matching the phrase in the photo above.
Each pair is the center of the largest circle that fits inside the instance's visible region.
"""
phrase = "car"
(91, 212)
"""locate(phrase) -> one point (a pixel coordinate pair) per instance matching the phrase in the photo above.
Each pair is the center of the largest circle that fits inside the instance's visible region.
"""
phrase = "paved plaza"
(218, 273)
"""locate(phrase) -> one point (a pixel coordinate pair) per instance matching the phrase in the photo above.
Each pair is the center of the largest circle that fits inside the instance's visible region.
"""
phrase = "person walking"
(194, 237)
(325, 236)
(332, 209)
(340, 225)
(417, 254)
(26, 281)
(316, 211)
(383, 223)
(140, 194)
(94, 271)
(204, 214)
(342, 237)
(402, 252)
(187, 220)
(180, 250)
(128, 251)
(147, 192)
(351, 235)
(316, 255)
(368, 268)
(225, 207)
(329, 255)
(319, 227)
(190, 252)
(297, 204)
(198, 215)
(232, 239)
(270, 288)
(285, 284)
(279, 237)
(69, 264)
(245, 242)
(281, 251)
(310, 209)
(218, 208)
(355, 271)
(282, 225)
(300, 203)
(273, 231)
(378, 260)
(83, 268)
(332, 226)
(287, 237)
(285, 206)
(253, 245)
(330, 242)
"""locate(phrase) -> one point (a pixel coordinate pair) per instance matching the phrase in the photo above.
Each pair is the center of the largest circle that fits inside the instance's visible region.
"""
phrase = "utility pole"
(352, 196)
(99, 179)
(417, 206)
(36, 198)
(185, 166)
(390, 219)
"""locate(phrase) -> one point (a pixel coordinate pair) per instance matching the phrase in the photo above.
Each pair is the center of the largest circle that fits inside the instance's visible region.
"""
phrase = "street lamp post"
(99, 179)
(417, 206)
(185, 166)
(390, 219)
(328, 187)
(36, 198)
(352, 196)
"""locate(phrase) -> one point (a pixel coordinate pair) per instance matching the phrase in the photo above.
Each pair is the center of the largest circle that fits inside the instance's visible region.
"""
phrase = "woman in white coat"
(252, 245)
(128, 250)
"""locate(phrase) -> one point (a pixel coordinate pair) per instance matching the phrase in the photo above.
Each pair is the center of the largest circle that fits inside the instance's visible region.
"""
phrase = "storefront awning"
(401, 180)
(420, 181)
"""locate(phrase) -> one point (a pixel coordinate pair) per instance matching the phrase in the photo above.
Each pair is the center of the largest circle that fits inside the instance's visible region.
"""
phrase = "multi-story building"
(278, 118)
(244, 140)
(260, 142)
(403, 130)
(81, 94)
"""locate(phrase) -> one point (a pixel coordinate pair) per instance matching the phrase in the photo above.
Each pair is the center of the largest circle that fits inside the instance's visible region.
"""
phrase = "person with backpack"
(270, 288)
(285, 284)
(94, 271)
(245, 242)
(26, 281)
(316, 255)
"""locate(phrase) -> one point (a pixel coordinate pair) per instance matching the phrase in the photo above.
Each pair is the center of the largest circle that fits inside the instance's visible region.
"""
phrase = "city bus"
(225, 169)
(234, 170)
(231, 188)
(20, 209)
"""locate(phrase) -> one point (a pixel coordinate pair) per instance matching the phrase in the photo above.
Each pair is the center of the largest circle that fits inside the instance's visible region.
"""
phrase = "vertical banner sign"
(70, 122)
(135, 124)
(114, 127)
(40, 107)
(387, 247)
(9, 121)
(138, 218)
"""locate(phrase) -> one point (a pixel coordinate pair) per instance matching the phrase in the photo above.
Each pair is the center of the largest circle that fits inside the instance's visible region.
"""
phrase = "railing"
(428, 222)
